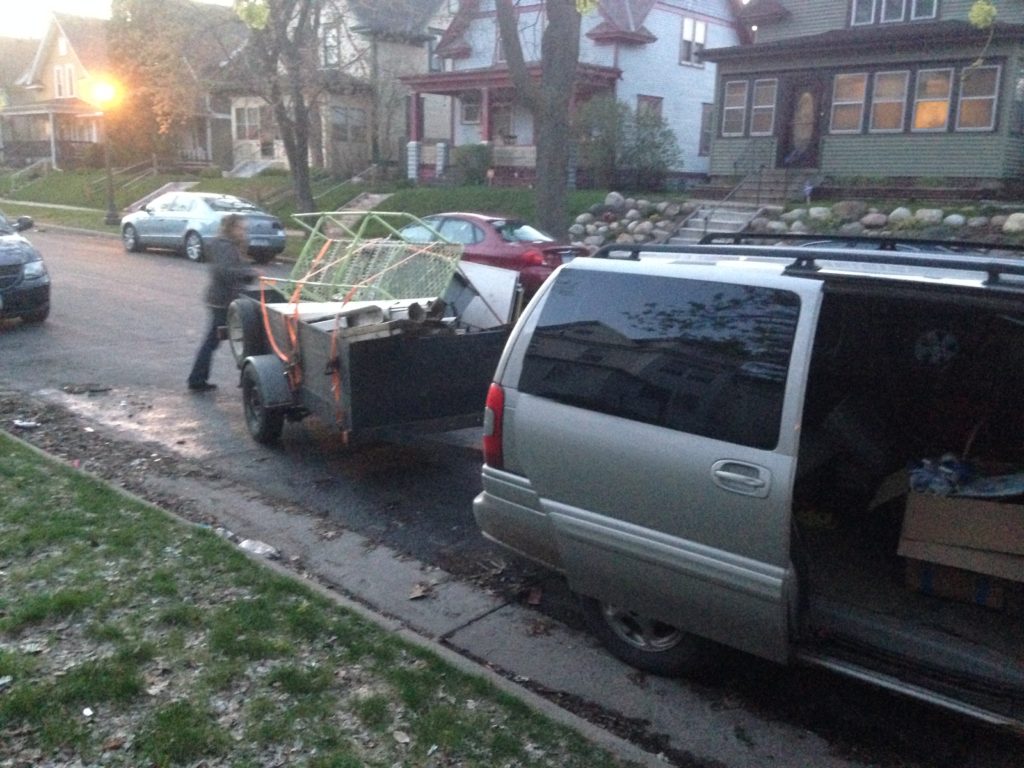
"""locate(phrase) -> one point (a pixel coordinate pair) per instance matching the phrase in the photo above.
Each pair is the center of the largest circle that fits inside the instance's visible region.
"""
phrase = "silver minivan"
(712, 444)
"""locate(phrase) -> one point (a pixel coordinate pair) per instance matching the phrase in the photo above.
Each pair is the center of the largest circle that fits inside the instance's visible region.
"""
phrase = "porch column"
(412, 161)
(414, 116)
(485, 115)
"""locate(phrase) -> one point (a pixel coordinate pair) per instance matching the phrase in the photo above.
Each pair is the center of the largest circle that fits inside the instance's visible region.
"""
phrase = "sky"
(28, 18)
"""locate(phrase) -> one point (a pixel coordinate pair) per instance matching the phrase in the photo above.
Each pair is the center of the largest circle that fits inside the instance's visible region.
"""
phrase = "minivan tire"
(645, 643)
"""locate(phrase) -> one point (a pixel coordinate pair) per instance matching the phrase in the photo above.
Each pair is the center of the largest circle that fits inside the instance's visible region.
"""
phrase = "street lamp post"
(112, 216)
(105, 95)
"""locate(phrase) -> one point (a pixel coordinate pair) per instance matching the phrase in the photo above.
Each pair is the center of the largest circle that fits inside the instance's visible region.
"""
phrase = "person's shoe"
(204, 386)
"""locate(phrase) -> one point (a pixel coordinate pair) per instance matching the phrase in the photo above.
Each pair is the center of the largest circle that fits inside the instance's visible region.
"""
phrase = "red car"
(498, 242)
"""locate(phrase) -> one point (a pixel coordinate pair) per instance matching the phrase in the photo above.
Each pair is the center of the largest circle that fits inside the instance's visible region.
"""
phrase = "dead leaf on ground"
(420, 590)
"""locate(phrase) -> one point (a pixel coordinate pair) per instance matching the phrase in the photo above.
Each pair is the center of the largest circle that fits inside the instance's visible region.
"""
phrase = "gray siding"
(933, 155)
(812, 17)
(806, 17)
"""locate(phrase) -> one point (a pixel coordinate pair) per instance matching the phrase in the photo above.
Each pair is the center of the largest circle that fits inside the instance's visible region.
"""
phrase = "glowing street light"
(106, 94)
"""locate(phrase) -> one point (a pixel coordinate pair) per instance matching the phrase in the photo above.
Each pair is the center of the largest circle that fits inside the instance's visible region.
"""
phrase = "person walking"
(228, 273)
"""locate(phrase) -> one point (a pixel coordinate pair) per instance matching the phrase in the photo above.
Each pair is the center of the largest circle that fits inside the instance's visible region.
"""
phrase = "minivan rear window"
(697, 356)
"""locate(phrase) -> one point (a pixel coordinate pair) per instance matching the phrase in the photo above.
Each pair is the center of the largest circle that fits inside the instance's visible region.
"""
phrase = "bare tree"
(281, 57)
(548, 101)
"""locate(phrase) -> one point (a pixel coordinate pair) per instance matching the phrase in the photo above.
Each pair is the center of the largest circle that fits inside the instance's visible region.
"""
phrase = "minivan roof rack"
(807, 250)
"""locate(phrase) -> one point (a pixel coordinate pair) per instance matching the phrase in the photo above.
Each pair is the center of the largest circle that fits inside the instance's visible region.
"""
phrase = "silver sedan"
(185, 221)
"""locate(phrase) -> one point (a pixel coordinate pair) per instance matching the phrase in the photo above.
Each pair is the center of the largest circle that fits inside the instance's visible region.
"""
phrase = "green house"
(876, 89)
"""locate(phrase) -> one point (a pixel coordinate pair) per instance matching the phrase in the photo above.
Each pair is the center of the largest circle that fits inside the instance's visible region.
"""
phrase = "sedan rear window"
(701, 357)
(231, 204)
(518, 232)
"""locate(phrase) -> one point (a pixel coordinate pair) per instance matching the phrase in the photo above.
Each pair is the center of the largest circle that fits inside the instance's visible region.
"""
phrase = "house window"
(762, 111)
(893, 10)
(848, 93)
(734, 108)
(330, 46)
(434, 62)
(648, 105)
(863, 12)
(62, 46)
(247, 123)
(1017, 122)
(704, 146)
(58, 82)
(470, 106)
(348, 124)
(977, 108)
(924, 9)
(692, 42)
(69, 74)
(888, 101)
(931, 99)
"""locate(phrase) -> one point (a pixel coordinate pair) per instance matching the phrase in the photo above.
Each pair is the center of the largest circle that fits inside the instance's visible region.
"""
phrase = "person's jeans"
(201, 368)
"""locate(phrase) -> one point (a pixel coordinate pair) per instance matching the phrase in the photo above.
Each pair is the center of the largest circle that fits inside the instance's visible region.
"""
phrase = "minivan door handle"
(740, 477)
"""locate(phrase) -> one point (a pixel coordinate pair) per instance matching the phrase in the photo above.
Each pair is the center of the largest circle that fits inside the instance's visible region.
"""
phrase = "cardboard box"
(955, 584)
(962, 522)
(985, 537)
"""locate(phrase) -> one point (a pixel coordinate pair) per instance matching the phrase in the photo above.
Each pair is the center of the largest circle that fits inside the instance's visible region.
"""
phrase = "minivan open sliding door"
(651, 419)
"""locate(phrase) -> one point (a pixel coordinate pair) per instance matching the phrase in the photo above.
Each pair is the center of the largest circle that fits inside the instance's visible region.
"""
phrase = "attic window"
(62, 46)
(330, 46)
(694, 36)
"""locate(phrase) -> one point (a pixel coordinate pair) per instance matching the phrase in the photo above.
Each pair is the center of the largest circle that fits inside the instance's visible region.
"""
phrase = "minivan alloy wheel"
(644, 633)
(647, 643)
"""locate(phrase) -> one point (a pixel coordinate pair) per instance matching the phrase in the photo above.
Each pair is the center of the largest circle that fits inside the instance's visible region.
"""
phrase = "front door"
(803, 114)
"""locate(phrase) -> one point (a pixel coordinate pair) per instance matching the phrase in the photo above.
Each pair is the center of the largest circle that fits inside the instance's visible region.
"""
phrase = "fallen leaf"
(114, 743)
(420, 590)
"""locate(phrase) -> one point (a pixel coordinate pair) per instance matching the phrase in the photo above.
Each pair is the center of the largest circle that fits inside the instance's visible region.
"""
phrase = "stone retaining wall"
(633, 220)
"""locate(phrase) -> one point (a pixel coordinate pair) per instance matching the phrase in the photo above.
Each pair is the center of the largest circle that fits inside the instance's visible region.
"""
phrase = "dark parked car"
(24, 281)
(184, 221)
(498, 242)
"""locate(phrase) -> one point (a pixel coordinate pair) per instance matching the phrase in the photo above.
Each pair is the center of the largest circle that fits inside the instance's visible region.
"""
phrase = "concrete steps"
(714, 216)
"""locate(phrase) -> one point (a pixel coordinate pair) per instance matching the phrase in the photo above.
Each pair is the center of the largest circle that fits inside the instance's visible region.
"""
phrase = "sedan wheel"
(130, 238)
(194, 246)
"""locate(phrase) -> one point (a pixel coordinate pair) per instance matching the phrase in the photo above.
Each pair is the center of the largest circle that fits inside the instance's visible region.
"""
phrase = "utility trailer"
(371, 333)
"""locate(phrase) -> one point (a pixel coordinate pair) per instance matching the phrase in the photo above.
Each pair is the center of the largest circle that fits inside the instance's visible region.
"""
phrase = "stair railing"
(757, 174)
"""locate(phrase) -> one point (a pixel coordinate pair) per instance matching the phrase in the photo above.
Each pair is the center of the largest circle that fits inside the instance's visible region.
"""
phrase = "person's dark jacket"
(228, 273)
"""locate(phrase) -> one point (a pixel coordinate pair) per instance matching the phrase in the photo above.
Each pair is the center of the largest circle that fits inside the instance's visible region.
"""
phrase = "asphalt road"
(117, 348)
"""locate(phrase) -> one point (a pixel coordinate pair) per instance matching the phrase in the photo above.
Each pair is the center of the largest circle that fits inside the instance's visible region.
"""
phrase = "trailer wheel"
(265, 423)
(245, 330)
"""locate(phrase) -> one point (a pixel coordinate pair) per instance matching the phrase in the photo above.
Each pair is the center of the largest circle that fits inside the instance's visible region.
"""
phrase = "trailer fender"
(273, 379)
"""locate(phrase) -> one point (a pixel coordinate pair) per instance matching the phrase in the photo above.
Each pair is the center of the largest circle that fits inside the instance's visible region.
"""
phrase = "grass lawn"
(130, 638)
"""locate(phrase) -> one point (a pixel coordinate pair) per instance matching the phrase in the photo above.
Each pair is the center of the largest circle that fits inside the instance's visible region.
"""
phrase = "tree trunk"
(549, 103)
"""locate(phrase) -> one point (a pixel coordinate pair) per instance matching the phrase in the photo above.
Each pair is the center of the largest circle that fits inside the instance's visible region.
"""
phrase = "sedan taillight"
(533, 258)
(494, 413)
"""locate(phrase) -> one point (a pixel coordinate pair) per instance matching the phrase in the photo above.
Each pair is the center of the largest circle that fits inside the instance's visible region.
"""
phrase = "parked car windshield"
(227, 203)
(519, 232)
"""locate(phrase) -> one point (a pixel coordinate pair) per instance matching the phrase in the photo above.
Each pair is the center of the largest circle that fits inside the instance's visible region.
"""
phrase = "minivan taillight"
(494, 412)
